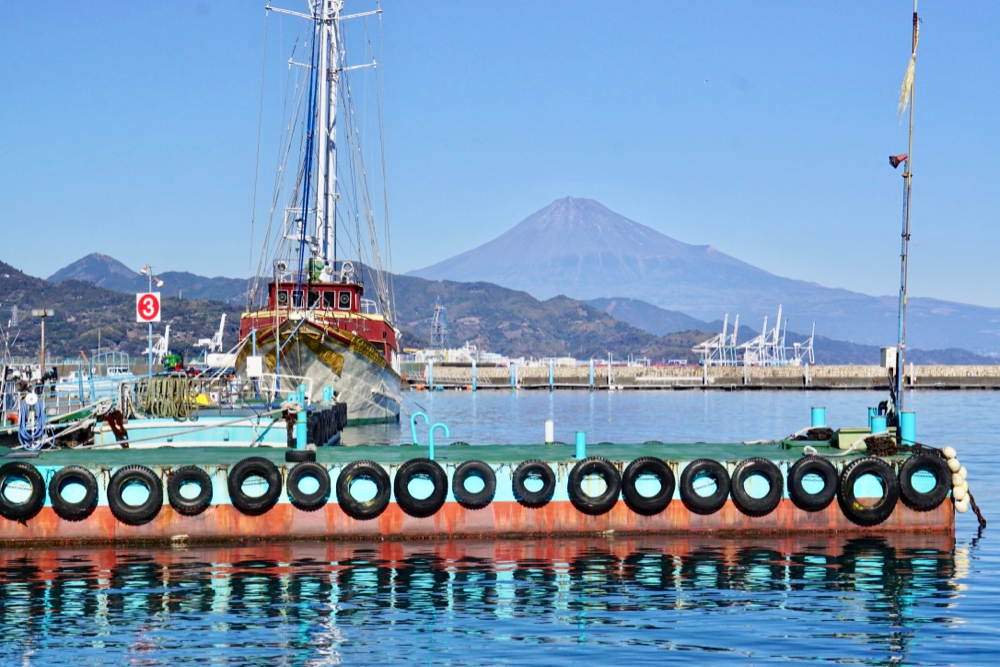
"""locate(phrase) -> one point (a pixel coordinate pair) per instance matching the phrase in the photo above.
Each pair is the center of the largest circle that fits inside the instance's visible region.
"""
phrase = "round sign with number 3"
(147, 307)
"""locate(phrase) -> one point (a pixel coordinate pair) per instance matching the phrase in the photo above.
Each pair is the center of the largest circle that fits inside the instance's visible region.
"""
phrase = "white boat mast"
(326, 16)
(329, 78)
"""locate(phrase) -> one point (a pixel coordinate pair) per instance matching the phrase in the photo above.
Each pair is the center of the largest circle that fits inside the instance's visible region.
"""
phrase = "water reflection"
(305, 601)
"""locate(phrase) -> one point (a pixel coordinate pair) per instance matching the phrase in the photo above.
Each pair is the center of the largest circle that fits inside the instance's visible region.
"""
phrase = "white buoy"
(962, 506)
(550, 431)
(954, 465)
(949, 452)
(956, 478)
(959, 493)
(963, 472)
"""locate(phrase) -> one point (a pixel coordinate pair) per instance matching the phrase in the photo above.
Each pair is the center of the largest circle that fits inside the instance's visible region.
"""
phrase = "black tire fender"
(300, 455)
(704, 504)
(21, 511)
(420, 507)
(812, 465)
(938, 467)
(868, 515)
(648, 505)
(186, 475)
(523, 472)
(478, 499)
(81, 509)
(367, 509)
(308, 501)
(602, 503)
(254, 466)
(776, 486)
(135, 515)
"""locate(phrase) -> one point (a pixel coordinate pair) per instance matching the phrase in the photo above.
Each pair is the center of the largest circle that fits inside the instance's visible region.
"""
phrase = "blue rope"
(31, 438)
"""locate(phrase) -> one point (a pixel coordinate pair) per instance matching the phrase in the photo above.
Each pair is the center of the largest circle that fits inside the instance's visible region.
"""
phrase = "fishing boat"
(323, 317)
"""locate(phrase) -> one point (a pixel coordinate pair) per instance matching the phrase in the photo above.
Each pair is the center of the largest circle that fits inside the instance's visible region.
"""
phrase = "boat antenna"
(905, 97)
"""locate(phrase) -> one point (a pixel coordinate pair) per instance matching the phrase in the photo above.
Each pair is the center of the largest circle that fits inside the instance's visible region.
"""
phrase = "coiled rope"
(170, 397)
(31, 432)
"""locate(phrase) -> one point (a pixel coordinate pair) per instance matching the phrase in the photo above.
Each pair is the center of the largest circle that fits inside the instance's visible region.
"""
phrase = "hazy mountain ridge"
(826, 350)
(108, 272)
(647, 316)
(579, 248)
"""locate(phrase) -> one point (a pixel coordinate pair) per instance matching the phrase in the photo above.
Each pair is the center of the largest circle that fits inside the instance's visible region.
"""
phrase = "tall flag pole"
(906, 96)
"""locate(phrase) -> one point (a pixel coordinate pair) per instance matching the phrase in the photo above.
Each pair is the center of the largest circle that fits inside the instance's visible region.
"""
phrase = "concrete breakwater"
(695, 377)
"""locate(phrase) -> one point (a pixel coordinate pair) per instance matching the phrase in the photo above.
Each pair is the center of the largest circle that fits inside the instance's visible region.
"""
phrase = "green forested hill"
(515, 323)
(495, 318)
(85, 313)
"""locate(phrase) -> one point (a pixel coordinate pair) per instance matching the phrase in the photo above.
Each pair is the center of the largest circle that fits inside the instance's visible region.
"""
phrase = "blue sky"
(762, 129)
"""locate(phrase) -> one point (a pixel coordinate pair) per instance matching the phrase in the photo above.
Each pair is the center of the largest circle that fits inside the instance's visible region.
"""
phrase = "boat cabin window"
(313, 298)
(282, 297)
(330, 299)
(345, 301)
(297, 298)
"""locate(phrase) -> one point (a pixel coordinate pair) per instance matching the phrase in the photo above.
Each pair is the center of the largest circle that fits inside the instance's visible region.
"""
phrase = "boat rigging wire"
(285, 142)
(381, 289)
(256, 164)
(380, 92)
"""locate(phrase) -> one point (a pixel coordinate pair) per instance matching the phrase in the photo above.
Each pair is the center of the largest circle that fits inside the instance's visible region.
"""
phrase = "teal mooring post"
(513, 376)
(473, 375)
(907, 428)
(818, 417)
(430, 374)
(581, 445)
(301, 428)
(301, 419)
(552, 375)
(872, 413)
(591, 383)
(878, 424)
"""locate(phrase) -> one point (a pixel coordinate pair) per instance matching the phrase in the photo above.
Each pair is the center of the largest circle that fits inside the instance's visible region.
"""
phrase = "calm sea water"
(922, 599)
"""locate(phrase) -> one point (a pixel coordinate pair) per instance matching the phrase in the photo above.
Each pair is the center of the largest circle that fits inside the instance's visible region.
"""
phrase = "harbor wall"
(697, 377)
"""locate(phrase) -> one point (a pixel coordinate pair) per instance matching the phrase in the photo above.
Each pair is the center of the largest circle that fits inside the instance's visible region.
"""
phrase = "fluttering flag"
(907, 89)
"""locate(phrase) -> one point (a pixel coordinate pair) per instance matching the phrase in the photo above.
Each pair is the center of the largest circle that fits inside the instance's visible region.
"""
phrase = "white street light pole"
(42, 313)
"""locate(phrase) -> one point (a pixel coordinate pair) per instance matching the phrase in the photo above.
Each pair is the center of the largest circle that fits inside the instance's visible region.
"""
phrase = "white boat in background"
(101, 378)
